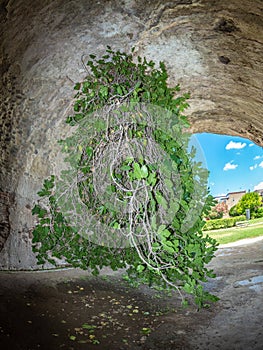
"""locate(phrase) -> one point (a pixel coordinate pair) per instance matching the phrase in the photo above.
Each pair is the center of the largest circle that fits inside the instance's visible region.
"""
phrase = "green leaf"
(137, 171)
(160, 199)
(188, 288)
(111, 189)
(155, 246)
(174, 206)
(77, 107)
(119, 90)
(104, 91)
(129, 159)
(140, 268)
(168, 249)
(161, 228)
(144, 171)
(43, 193)
(153, 222)
(125, 167)
(89, 151)
(146, 330)
(36, 210)
(49, 183)
(165, 233)
(151, 180)
(40, 212)
(88, 326)
(185, 303)
(77, 86)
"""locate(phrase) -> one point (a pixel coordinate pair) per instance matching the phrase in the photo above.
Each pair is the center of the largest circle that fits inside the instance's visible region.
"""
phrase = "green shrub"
(215, 215)
(258, 213)
(222, 223)
(250, 200)
(233, 211)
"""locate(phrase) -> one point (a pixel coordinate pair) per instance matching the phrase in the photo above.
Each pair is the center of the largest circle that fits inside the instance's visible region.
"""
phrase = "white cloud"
(253, 167)
(258, 186)
(230, 166)
(256, 165)
(235, 145)
(251, 144)
(257, 157)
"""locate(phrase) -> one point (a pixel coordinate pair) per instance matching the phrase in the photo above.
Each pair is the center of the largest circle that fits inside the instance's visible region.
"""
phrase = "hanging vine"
(133, 195)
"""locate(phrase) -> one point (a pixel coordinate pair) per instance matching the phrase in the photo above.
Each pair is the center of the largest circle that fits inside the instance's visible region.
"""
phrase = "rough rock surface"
(212, 48)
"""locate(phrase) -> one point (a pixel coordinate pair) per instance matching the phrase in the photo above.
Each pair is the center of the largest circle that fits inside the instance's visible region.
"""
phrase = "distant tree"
(258, 213)
(251, 200)
(233, 211)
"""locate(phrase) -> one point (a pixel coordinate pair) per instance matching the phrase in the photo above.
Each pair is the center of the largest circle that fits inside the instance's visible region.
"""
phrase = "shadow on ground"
(69, 309)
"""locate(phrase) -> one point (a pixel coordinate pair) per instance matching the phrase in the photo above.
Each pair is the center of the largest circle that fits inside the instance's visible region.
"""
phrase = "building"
(231, 198)
(221, 199)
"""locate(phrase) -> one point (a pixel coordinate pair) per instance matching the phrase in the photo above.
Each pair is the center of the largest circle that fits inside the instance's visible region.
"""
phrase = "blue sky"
(234, 163)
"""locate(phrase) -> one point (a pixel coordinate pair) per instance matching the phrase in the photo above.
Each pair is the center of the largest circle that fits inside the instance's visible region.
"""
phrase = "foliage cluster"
(217, 211)
(250, 200)
(115, 78)
(222, 223)
(173, 254)
(257, 214)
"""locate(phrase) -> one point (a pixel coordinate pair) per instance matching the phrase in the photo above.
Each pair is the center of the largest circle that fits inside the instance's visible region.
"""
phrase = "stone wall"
(212, 48)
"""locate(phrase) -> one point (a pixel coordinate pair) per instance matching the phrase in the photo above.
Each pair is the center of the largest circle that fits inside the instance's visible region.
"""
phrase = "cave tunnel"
(213, 49)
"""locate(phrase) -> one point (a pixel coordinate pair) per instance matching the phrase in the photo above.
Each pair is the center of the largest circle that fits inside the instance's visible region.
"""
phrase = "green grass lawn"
(237, 233)
(256, 221)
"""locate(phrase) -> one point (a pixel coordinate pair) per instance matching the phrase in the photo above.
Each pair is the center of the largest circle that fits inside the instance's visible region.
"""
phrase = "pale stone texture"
(212, 48)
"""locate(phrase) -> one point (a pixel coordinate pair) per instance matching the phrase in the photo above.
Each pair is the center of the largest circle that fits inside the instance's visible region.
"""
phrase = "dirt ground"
(69, 309)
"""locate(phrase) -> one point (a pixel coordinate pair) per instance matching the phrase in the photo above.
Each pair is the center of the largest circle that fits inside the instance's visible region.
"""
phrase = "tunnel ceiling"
(212, 48)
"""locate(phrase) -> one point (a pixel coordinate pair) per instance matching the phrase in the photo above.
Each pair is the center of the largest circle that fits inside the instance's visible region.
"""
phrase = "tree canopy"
(250, 200)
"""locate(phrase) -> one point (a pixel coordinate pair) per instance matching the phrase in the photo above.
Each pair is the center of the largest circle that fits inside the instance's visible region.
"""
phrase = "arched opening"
(235, 163)
(235, 181)
(214, 50)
